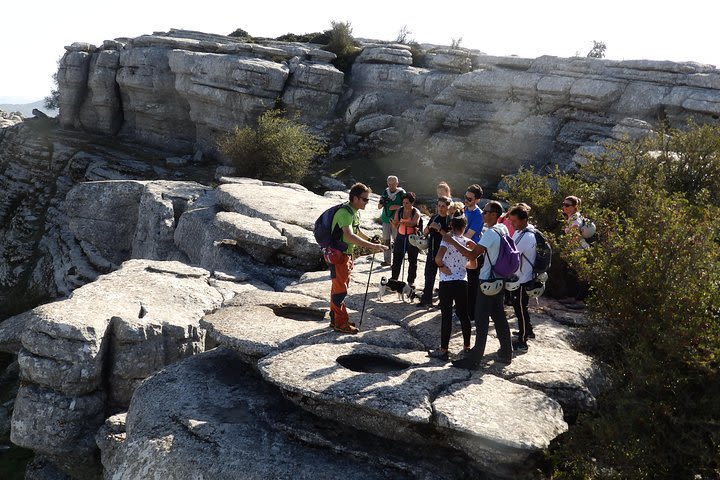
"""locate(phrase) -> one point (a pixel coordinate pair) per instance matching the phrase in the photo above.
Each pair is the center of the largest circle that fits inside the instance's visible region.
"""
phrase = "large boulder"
(81, 360)
(234, 425)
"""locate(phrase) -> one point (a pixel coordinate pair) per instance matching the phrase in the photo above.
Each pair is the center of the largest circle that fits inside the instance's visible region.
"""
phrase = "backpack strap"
(522, 234)
(492, 267)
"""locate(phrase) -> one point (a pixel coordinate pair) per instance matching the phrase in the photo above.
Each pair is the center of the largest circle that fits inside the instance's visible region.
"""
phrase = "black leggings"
(453, 291)
(402, 245)
(520, 301)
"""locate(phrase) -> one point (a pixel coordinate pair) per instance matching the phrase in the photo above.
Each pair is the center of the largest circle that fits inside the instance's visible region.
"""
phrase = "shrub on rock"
(278, 149)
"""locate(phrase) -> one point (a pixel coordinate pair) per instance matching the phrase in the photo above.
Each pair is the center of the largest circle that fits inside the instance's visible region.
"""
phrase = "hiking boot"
(520, 347)
(468, 362)
(424, 304)
(439, 353)
(384, 264)
(346, 328)
(332, 324)
(529, 335)
(501, 357)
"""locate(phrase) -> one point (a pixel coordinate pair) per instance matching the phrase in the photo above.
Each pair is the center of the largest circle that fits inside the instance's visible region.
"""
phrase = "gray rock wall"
(464, 113)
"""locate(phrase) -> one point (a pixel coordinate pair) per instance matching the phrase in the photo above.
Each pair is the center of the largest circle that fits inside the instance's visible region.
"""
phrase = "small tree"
(403, 35)
(598, 50)
(655, 303)
(52, 101)
(343, 45)
(455, 42)
(278, 149)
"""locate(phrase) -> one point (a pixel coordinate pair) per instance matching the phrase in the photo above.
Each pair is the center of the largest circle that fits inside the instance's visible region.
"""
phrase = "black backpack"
(325, 236)
(543, 251)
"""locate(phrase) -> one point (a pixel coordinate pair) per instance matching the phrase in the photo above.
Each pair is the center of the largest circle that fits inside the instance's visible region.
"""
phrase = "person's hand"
(378, 247)
(470, 244)
(435, 226)
(445, 269)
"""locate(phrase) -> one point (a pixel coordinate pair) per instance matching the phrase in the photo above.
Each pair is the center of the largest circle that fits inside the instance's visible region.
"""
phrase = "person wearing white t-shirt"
(487, 306)
(453, 287)
(525, 242)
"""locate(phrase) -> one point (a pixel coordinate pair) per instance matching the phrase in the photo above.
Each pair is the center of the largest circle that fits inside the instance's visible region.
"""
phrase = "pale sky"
(33, 33)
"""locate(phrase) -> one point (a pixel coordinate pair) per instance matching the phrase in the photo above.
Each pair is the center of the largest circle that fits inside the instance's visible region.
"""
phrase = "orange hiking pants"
(340, 275)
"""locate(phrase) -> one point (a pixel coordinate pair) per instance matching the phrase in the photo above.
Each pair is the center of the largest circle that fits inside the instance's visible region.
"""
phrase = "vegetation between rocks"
(655, 303)
(278, 148)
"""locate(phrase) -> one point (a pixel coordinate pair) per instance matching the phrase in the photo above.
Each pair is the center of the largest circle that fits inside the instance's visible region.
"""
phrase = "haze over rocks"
(184, 310)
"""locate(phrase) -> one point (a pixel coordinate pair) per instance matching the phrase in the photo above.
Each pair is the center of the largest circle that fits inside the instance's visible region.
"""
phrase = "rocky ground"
(79, 363)
(176, 268)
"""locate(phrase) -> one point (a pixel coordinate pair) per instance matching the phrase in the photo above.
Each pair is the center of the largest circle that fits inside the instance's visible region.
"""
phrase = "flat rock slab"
(257, 325)
(228, 428)
(64, 348)
(497, 422)
(317, 284)
(286, 204)
(571, 378)
(381, 390)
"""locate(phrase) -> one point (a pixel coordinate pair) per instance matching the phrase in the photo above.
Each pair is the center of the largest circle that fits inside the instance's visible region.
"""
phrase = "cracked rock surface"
(237, 426)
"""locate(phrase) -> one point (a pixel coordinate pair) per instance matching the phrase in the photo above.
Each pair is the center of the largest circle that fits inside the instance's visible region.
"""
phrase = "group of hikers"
(464, 248)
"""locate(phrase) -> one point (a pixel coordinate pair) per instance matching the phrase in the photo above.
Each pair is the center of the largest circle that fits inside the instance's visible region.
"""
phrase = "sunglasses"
(487, 212)
(468, 199)
(568, 205)
(364, 199)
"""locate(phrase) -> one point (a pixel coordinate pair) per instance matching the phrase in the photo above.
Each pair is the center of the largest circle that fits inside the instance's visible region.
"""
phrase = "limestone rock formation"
(8, 120)
(237, 425)
(78, 360)
(462, 111)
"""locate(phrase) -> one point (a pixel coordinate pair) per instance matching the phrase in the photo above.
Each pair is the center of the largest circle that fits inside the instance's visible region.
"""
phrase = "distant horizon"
(20, 100)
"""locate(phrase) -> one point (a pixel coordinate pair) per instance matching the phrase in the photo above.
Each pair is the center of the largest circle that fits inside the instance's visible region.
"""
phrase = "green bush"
(343, 45)
(418, 54)
(655, 303)
(315, 37)
(240, 33)
(278, 149)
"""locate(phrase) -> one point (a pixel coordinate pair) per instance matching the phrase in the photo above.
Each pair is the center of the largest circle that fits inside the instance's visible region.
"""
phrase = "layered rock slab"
(382, 390)
(403, 395)
(498, 423)
(86, 354)
(258, 325)
(235, 426)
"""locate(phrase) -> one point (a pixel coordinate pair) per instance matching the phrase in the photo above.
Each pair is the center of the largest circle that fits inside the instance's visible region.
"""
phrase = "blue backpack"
(508, 259)
(325, 235)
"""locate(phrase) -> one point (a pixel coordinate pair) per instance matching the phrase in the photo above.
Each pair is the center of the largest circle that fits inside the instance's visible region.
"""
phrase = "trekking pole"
(367, 288)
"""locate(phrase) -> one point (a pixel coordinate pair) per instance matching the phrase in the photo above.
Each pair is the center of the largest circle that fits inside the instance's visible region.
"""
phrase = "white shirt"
(454, 260)
(491, 242)
(525, 242)
(575, 221)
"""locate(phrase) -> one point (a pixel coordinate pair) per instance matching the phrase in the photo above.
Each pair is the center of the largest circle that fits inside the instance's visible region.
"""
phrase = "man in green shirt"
(340, 269)
(390, 200)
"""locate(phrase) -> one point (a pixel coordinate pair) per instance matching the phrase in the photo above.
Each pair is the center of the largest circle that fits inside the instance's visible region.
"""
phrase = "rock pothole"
(370, 363)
